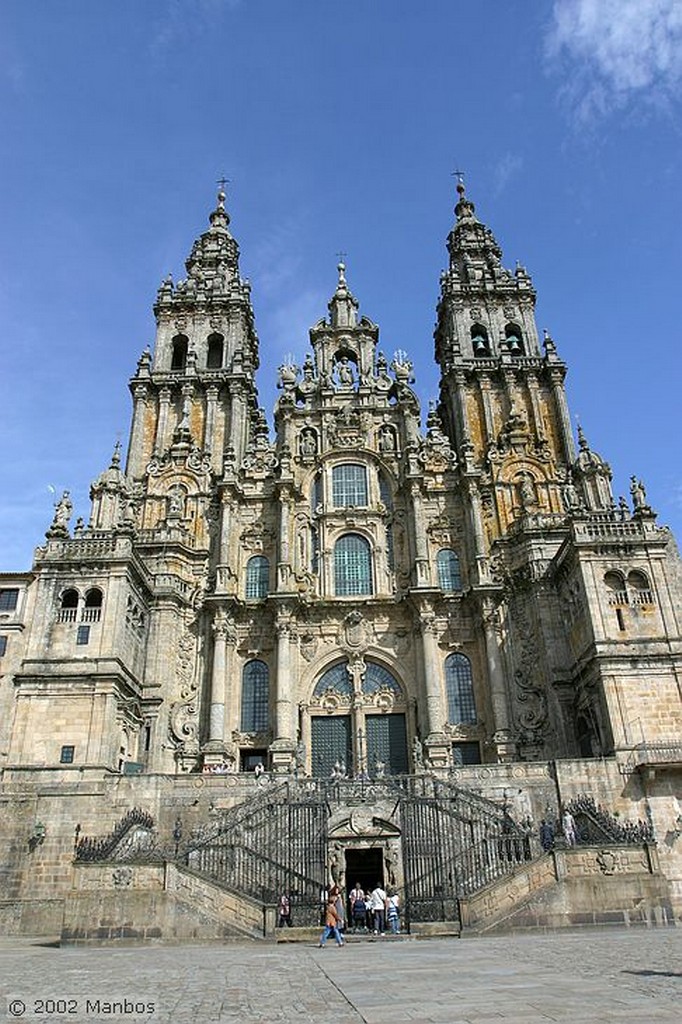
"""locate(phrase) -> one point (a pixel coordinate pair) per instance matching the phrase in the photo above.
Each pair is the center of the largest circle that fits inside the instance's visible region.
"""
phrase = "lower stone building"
(355, 647)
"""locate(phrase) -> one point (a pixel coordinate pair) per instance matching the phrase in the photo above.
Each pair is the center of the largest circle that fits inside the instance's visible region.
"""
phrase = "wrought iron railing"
(277, 844)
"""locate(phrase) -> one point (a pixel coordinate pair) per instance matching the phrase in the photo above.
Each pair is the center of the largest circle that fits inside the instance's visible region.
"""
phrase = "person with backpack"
(377, 902)
(358, 907)
(393, 912)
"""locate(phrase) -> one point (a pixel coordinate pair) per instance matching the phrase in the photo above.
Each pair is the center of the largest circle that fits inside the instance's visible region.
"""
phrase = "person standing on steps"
(393, 912)
(331, 924)
(378, 904)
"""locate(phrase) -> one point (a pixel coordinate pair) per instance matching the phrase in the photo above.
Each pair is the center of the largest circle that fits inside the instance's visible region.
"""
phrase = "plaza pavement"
(581, 977)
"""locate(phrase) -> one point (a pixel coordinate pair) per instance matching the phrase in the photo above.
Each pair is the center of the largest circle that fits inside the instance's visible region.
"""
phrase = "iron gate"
(454, 843)
(278, 844)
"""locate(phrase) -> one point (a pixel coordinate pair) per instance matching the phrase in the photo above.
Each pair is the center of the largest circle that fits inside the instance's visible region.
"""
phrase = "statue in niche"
(176, 501)
(344, 372)
(387, 439)
(308, 443)
(417, 753)
(527, 491)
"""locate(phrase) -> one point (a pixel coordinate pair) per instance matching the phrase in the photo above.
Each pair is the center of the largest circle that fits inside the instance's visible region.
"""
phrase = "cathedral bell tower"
(502, 392)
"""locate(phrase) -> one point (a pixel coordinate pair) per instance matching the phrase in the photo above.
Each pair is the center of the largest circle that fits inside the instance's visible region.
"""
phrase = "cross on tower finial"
(341, 256)
(223, 182)
(460, 181)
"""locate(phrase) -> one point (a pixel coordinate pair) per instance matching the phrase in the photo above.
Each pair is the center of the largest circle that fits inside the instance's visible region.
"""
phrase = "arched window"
(459, 687)
(352, 566)
(255, 697)
(479, 340)
(68, 606)
(92, 610)
(514, 339)
(179, 356)
(449, 577)
(214, 353)
(335, 679)
(349, 485)
(379, 678)
(257, 577)
(615, 588)
(639, 589)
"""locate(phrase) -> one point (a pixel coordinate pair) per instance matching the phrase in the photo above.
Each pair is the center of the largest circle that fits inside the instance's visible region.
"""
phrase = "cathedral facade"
(354, 596)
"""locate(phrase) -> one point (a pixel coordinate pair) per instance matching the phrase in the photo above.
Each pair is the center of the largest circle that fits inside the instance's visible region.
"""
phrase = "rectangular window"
(66, 756)
(9, 598)
(83, 635)
(467, 752)
(3, 645)
(349, 486)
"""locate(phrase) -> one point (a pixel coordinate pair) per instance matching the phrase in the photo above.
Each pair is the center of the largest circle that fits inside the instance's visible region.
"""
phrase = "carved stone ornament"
(184, 713)
(355, 634)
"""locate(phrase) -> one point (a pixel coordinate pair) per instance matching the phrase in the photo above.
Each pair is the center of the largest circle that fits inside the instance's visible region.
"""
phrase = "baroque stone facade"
(354, 595)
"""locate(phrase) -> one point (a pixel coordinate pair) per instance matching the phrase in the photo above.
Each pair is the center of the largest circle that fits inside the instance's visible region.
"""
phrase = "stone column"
(532, 383)
(210, 426)
(284, 561)
(489, 422)
(502, 737)
(436, 743)
(283, 747)
(557, 379)
(476, 522)
(162, 420)
(420, 544)
(137, 457)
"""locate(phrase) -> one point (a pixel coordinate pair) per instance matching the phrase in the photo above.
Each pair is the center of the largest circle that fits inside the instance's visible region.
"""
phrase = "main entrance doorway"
(366, 866)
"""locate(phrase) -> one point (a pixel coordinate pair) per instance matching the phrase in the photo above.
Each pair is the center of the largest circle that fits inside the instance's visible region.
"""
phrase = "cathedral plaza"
(426, 651)
(604, 976)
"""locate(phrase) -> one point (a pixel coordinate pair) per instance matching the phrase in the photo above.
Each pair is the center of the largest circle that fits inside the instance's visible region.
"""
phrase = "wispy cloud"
(180, 19)
(509, 165)
(614, 52)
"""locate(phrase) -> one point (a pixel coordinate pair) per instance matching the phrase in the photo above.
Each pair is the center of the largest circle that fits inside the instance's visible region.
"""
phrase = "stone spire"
(343, 306)
(593, 475)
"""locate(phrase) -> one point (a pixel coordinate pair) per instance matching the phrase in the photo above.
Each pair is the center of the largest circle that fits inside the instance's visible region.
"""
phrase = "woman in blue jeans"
(331, 924)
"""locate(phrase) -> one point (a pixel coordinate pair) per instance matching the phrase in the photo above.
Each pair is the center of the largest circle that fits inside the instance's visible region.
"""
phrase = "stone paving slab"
(593, 977)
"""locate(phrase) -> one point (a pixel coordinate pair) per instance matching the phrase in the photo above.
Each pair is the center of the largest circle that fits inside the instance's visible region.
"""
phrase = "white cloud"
(508, 167)
(180, 20)
(616, 51)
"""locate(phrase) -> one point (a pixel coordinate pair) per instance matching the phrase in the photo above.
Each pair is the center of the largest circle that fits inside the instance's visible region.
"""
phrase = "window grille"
(257, 577)
(83, 636)
(467, 752)
(330, 737)
(352, 566)
(255, 697)
(387, 742)
(8, 599)
(66, 755)
(460, 690)
(335, 678)
(449, 576)
(349, 485)
(379, 678)
(3, 646)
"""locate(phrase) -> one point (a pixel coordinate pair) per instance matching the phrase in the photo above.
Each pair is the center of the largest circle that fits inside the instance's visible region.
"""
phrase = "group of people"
(373, 911)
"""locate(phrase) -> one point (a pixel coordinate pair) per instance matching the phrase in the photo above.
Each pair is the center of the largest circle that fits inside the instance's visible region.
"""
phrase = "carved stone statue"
(638, 493)
(417, 753)
(62, 514)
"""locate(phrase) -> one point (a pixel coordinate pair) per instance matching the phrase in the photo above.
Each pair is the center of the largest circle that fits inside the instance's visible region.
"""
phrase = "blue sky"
(339, 126)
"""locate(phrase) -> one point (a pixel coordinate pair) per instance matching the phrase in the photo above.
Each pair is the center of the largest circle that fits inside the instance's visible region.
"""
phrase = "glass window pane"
(330, 737)
(352, 566)
(449, 577)
(460, 690)
(387, 742)
(8, 599)
(349, 485)
(335, 678)
(255, 697)
(257, 577)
